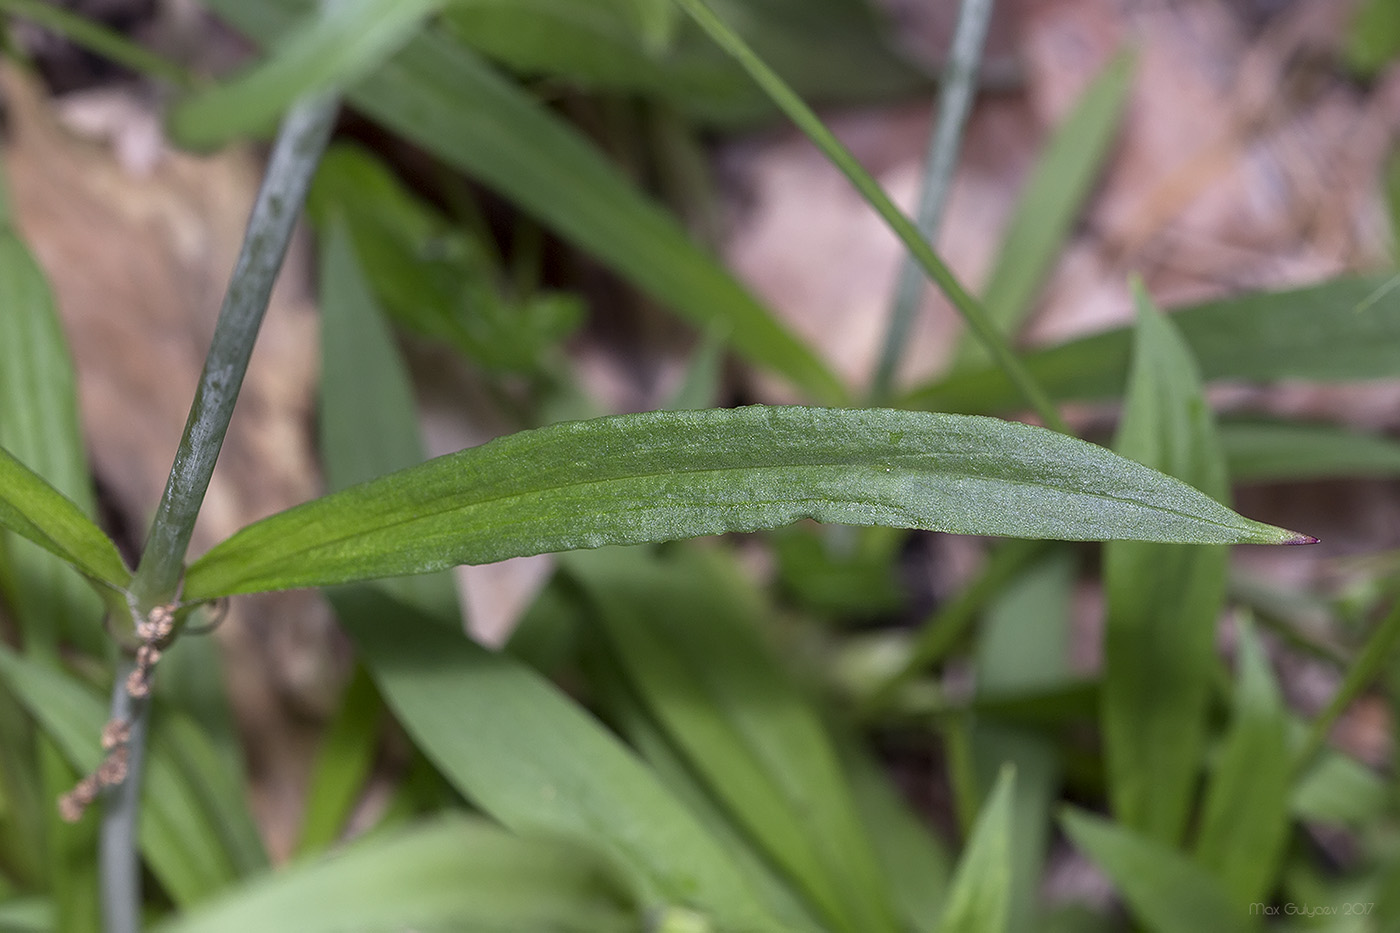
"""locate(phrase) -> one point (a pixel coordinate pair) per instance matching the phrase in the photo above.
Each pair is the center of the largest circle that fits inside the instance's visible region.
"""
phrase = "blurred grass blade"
(343, 764)
(727, 704)
(89, 33)
(1052, 199)
(39, 423)
(917, 865)
(1373, 41)
(1023, 646)
(180, 838)
(339, 43)
(1165, 890)
(1245, 824)
(869, 189)
(1259, 451)
(550, 767)
(659, 476)
(1159, 652)
(1342, 330)
(981, 890)
(440, 96)
(451, 874)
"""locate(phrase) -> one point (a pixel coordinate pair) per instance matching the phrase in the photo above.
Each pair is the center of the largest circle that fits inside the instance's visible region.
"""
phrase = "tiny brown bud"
(115, 733)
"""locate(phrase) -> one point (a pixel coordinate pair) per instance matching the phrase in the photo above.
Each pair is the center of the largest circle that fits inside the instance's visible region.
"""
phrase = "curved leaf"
(660, 476)
(454, 873)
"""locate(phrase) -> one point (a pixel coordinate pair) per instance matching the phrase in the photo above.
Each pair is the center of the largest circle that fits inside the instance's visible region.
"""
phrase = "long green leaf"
(1163, 599)
(1343, 330)
(1166, 891)
(527, 755)
(1245, 823)
(441, 96)
(339, 43)
(1259, 451)
(980, 895)
(179, 837)
(729, 706)
(659, 476)
(1053, 197)
(451, 874)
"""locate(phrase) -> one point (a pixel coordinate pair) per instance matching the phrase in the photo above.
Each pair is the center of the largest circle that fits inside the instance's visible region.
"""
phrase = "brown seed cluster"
(155, 632)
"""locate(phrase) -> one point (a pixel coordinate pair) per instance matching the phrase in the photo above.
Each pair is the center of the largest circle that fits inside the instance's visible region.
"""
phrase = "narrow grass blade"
(551, 768)
(454, 873)
(343, 763)
(1260, 451)
(369, 423)
(439, 95)
(1165, 890)
(1342, 330)
(981, 889)
(916, 862)
(180, 839)
(91, 35)
(328, 51)
(732, 710)
(659, 476)
(831, 147)
(1245, 824)
(38, 402)
(1159, 651)
(1053, 197)
(1023, 646)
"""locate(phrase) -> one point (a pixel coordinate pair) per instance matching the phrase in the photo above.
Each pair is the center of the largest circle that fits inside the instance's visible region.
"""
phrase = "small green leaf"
(1165, 890)
(981, 891)
(35, 510)
(1159, 651)
(341, 42)
(1245, 823)
(454, 873)
(660, 476)
(1055, 193)
(1342, 330)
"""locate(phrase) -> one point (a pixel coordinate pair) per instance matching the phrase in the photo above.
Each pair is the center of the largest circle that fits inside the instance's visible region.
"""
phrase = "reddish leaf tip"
(1302, 539)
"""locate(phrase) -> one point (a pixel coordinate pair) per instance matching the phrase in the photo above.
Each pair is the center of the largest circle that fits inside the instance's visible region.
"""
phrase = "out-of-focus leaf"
(339, 43)
(1165, 890)
(981, 891)
(1343, 330)
(1245, 822)
(731, 709)
(1053, 196)
(439, 95)
(343, 764)
(849, 575)
(658, 476)
(550, 767)
(180, 840)
(1024, 646)
(1271, 451)
(27, 915)
(1341, 791)
(917, 866)
(1163, 600)
(451, 874)
(1374, 38)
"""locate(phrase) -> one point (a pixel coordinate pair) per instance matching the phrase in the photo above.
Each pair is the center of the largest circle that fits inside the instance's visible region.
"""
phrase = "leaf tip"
(1295, 538)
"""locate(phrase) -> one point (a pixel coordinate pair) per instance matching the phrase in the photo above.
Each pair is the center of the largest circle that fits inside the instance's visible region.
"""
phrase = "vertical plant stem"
(972, 311)
(298, 149)
(954, 103)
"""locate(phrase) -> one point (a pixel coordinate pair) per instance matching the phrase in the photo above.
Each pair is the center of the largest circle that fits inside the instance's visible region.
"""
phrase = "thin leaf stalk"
(972, 311)
(945, 143)
(295, 155)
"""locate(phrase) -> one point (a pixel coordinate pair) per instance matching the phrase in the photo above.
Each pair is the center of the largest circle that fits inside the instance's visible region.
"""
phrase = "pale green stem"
(954, 104)
(969, 307)
(295, 155)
